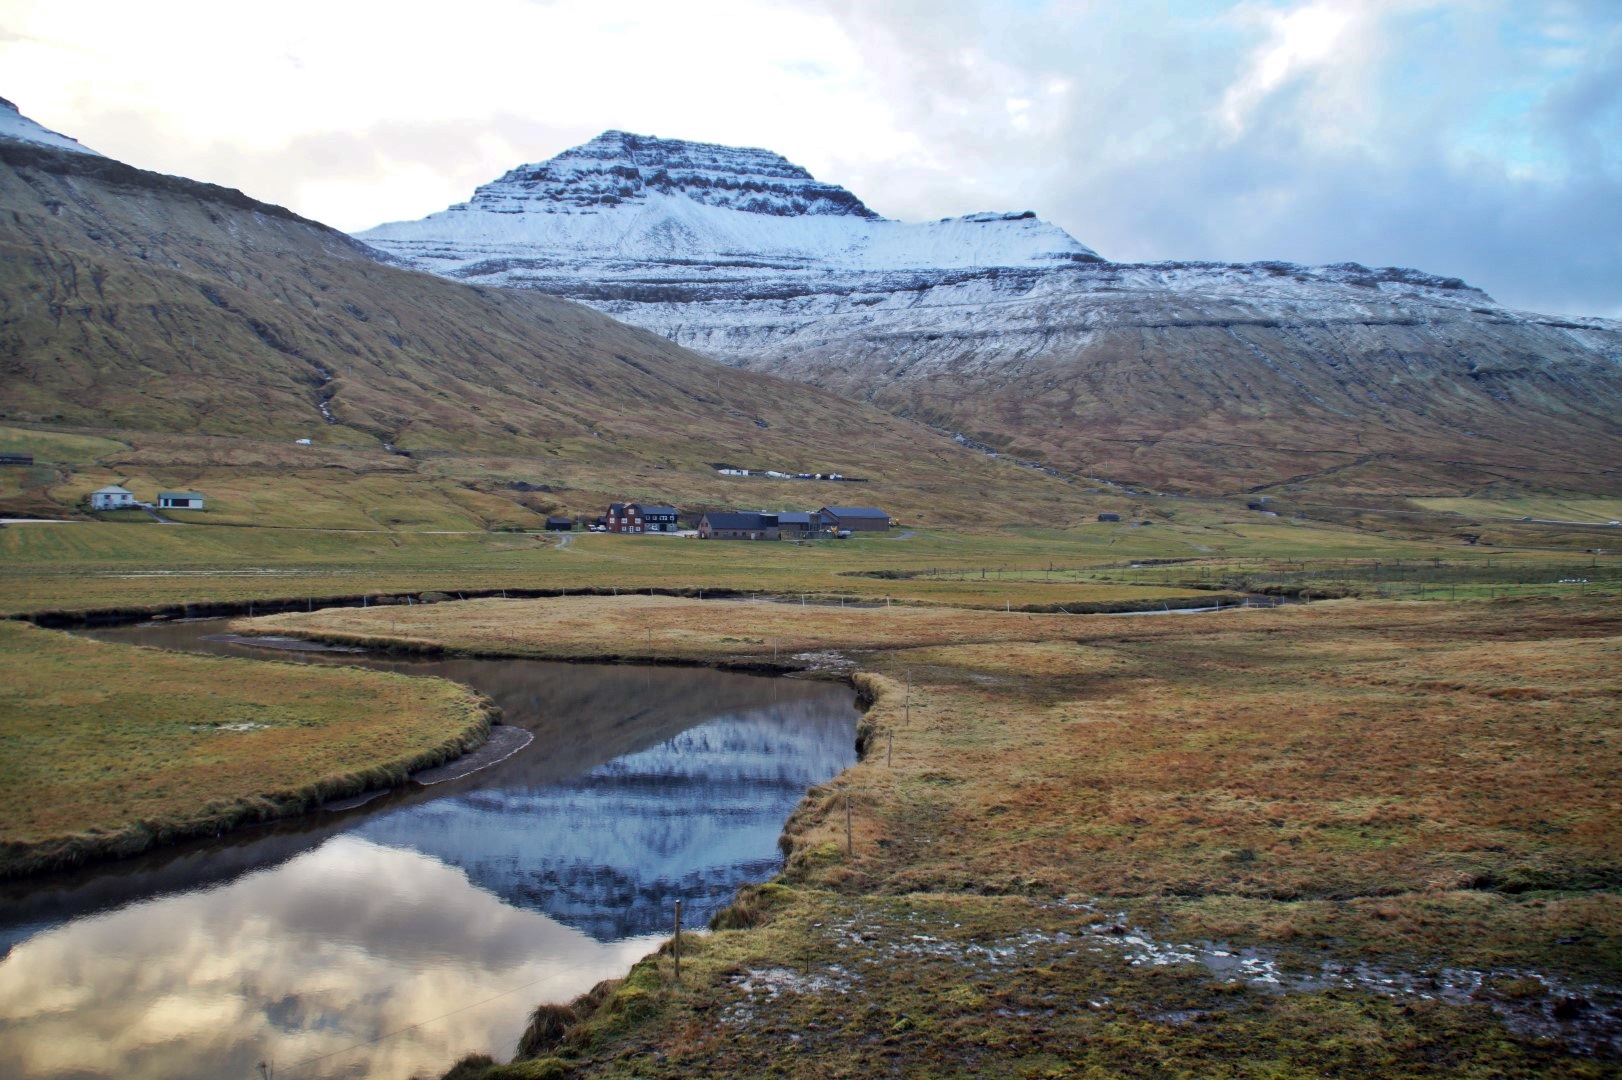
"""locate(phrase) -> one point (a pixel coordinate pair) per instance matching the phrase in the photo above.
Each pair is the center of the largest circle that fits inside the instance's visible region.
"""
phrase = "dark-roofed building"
(855, 518)
(640, 518)
(1109, 517)
(559, 524)
(738, 525)
(797, 524)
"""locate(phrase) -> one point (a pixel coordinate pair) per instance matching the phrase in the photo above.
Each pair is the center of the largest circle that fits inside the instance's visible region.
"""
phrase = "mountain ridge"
(140, 302)
(1006, 330)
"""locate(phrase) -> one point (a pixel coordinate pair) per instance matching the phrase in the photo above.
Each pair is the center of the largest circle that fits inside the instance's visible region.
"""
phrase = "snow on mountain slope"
(1005, 328)
(622, 205)
(14, 125)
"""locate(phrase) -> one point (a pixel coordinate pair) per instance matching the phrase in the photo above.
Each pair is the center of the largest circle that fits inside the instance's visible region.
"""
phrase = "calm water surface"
(392, 938)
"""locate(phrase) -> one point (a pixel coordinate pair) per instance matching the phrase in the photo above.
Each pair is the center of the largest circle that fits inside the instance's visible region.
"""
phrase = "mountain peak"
(619, 167)
(15, 126)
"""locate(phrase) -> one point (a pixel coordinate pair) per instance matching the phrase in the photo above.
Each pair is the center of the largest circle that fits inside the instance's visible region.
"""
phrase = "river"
(389, 939)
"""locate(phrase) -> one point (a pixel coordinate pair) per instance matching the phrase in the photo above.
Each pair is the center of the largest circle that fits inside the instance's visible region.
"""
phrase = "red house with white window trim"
(640, 518)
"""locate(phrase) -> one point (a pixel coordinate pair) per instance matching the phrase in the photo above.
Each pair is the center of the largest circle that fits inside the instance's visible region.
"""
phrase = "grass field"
(84, 566)
(1098, 837)
(1215, 843)
(109, 749)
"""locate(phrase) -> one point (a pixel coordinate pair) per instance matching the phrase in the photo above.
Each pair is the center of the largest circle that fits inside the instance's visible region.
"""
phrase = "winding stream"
(389, 939)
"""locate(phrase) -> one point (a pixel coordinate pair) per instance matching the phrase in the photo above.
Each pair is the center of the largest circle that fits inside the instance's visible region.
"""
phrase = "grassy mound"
(107, 750)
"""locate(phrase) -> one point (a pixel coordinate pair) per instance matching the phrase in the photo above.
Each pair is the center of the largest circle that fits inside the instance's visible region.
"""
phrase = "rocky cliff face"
(1006, 330)
(617, 168)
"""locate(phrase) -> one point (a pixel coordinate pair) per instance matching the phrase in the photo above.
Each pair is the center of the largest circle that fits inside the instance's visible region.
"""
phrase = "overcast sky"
(1476, 138)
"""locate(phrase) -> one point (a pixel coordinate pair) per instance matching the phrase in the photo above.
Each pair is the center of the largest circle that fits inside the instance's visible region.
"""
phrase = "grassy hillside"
(141, 306)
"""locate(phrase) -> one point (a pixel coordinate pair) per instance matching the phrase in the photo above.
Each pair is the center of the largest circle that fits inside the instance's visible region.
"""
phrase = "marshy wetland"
(1347, 838)
(1374, 835)
(390, 937)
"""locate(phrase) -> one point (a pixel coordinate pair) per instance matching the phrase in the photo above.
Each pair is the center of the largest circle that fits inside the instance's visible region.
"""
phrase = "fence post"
(676, 948)
(848, 845)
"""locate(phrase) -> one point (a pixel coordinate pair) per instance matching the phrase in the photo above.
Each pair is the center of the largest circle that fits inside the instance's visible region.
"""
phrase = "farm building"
(16, 459)
(559, 524)
(641, 517)
(855, 518)
(797, 524)
(111, 497)
(1109, 517)
(738, 525)
(179, 500)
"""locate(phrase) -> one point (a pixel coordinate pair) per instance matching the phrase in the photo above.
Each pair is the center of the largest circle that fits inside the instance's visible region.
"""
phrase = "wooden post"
(889, 753)
(676, 948)
(848, 846)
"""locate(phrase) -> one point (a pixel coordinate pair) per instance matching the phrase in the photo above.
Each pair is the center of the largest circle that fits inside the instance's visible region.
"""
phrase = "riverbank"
(1338, 839)
(110, 749)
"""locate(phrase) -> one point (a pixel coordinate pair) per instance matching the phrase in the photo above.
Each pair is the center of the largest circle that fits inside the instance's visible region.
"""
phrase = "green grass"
(57, 447)
(108, 749)
(1548, 507)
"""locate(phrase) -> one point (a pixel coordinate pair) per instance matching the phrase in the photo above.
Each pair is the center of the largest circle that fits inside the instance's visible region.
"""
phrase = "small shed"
(111, 497)
(1109, 517)
(179, 500)
(855, 518)
(16, 459)
(559, 524)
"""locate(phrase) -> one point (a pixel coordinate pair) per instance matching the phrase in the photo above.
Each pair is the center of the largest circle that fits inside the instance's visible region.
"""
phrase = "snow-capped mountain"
(627, 212)
(1194, 376)
(14, 125)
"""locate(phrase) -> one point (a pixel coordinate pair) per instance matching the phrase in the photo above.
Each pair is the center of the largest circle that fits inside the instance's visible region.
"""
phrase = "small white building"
(111, 497)
(179, 500)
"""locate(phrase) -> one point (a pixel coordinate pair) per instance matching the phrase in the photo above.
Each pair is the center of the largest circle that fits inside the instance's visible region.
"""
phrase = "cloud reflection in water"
(338, 946)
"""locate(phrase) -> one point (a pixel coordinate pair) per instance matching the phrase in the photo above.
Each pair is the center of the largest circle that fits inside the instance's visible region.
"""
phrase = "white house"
(111, 497)
(179, 500)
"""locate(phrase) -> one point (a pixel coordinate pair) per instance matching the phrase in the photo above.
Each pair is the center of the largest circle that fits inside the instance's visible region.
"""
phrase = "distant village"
(828, 522)
(837, 522)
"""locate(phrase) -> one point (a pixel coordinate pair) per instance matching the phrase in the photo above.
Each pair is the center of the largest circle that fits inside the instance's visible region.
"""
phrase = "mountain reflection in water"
(695, 816)
(378, 935)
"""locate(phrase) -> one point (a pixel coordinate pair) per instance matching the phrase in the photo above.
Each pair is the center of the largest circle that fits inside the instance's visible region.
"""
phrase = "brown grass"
(1413, 786)
(651, 628)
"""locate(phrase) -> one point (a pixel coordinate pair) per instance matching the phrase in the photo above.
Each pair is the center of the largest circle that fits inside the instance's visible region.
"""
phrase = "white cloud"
(1481, 138)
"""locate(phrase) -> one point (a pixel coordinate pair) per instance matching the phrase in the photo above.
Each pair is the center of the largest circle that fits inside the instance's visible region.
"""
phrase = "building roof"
(741, 519)
(794, 517)
(856, 512)
(650, 508)
(112, 489)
